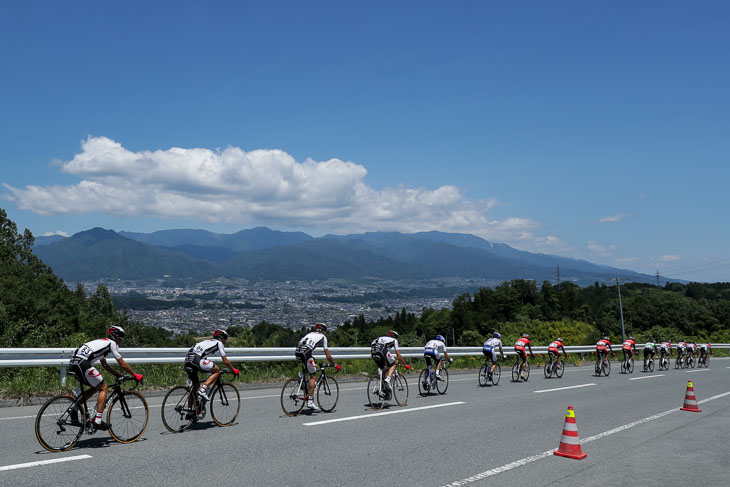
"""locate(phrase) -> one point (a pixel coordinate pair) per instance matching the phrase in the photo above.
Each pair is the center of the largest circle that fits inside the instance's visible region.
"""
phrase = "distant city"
(294, 304)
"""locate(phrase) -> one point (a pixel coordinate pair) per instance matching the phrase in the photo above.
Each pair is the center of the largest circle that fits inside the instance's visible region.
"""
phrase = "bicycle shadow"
(93, 443)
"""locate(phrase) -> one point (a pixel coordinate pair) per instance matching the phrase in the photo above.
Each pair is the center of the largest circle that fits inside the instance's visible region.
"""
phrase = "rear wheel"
(374, 393)
(548, 369)
(651, 365)
(55, 428)
(328, 393)
(442, 385)
(630, 366)
(559, 369)
(292, 397)
(177, 409)
(516, 372)
(483, 377)
(424, 383)
(496, 374)
(225, 403)
(598, 368)
(606, 367)
(400, 390)
(128, 416)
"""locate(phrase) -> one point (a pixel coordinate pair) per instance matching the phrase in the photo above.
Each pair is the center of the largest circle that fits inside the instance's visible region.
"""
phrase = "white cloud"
(601, 250)
(613, 219)
(57, 232)
(627, 260)
(257, 187)
(670, 258)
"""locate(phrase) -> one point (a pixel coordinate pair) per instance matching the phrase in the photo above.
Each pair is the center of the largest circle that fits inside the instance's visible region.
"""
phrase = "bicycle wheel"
(651, 365)
(496, 374)
(128, 416)
(559, 369)
(606, 367)
(177, 409)
(630, 366)
(55, 428)
(548, 369)
(483, 375)
(598, 368)
(623, 366)
(328, 393)
(293, 397)
(442, 385)
(400, 390)
(225, 403)
(374, 390)
(527, 370)
(692, 362)
(424, 382)
(516, 372)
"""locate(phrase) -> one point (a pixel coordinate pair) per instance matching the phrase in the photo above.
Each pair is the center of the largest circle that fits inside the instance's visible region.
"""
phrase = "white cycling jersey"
(312, 340)
(435, 347)
(208, 347)
(383, 344)
(96, 350)
(493, 342)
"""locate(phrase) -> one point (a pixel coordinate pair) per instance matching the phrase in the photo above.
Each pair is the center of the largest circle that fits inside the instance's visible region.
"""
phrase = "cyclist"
(82, 366)
(681, 349)
(554, 349)
(520, 345)
(691, 349)
(704, 349)
(490, 352)
(433, 350)
(601, 349)
(665, 349)
(196, 360)
(303, 353)
(629, 348)
(380, 352)
(649, 351)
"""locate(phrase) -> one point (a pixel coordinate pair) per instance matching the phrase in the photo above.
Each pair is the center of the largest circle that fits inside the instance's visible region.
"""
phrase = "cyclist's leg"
(391, 364)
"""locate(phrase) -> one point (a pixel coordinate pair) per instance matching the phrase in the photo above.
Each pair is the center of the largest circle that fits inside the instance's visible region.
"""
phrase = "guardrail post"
(63, 375)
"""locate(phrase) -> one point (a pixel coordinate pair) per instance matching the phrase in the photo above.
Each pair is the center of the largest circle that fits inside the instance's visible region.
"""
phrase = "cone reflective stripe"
(569, 442)
(690, 401)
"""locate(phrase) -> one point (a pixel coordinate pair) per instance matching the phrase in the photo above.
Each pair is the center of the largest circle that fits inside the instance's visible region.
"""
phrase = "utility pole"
(558, 273)
(621, 311)
(657, 277)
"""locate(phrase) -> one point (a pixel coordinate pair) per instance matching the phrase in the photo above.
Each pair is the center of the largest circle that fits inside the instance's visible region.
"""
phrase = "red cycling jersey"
(602, 344)
(627, 344)
(522, 343)
(554, 346)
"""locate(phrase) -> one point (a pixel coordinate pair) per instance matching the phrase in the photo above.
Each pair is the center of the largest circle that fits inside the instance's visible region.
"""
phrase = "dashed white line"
(698, 370)
(564, 388)
(44, 462)
(386, 413)
(647, 377)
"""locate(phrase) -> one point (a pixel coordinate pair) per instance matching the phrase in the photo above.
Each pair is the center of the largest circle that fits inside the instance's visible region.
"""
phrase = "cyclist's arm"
(229, 364)
(402, 361)
(501, 352)
(124, 366)
(565, 352)
(329, 356)
(531, 352)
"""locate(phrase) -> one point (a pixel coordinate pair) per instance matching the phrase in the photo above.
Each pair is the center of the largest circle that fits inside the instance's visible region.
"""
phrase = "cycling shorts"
(649, 352)
(434, 354)
(554, 351)
(521, 353)
(383, 359)
(490, 352)
(306, 358)
(85, 372)
(195, 363)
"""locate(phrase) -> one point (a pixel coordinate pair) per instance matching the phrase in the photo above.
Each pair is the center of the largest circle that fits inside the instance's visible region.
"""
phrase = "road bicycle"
(379, 393)
(62, 419)
(690, 361)
(553, 367)
(679, 362)
(516, 370)
(484, 378)
(182, 405)
(649, 364)
(664, 362)
(603, 366)
(704, 360)
(428, 381)
(295, 391)
(627, 365)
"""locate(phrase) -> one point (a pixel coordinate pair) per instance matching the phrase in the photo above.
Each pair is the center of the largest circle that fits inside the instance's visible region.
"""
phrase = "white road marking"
(386, 413)
(534, 458)
(44, 462)
(647, 377)
(698, 370)
(564, 388)
(19, 417)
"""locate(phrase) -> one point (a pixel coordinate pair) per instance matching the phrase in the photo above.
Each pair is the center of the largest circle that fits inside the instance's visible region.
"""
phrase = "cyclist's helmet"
(605, 338)
(496, 335)
(221, 335)
(320, 327)
(115, 333)
(631, 338)
(439, 338)
(393, 333)
(525, 335)
(559, 340)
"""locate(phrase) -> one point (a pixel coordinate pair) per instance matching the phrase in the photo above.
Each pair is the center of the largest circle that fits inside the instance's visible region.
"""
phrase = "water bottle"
(190, 383)
(76, 392)
(301, 376)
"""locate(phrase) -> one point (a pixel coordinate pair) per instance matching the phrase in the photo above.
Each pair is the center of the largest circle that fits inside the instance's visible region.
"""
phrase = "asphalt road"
(631, 427)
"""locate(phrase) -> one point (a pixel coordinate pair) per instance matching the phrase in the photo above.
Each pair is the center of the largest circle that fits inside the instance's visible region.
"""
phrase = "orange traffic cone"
(569, 442)
(690, 401)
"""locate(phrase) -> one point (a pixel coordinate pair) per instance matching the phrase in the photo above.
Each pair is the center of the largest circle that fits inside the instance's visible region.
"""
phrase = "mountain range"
(262, 253)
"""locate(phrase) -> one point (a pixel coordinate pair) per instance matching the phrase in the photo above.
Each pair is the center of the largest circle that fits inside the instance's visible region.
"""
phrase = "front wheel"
(293, 396)
(559, 369)
(400, 390)
(651, 365)
(496, 374)
(225, 403)
(375, 394)
(424, 383)
(328, 393)
(128, 416)
(630, 366)
(442, 385)
(56, 428)
(606, 367)
(178, 409)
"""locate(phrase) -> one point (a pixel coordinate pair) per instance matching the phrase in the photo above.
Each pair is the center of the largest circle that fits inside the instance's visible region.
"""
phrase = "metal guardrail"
(60, 357)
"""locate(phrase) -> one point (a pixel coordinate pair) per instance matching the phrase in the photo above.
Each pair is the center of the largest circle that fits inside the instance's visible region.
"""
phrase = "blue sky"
(596, 130)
